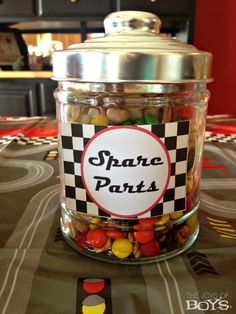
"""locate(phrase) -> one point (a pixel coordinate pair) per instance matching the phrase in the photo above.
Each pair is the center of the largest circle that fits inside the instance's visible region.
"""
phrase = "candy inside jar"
(160, 238)
(131, 142)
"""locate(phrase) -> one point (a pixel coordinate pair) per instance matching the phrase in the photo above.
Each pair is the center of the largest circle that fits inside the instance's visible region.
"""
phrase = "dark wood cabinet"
(27, 97)
(46, 100)
(176, 15)
(160, 7)
(80, 8)
(16, 9)
(30, 10)
(17, 99)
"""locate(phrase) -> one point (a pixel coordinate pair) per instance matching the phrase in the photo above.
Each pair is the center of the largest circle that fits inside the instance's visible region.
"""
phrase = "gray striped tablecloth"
(40, 273)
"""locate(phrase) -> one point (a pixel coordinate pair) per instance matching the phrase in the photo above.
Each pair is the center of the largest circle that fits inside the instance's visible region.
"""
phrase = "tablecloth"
(41, 273)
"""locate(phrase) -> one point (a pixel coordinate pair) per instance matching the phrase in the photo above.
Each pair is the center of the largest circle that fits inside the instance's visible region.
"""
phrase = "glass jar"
(131, 136)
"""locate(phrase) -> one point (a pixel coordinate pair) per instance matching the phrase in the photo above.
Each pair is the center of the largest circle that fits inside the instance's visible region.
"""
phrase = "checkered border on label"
(74, 138)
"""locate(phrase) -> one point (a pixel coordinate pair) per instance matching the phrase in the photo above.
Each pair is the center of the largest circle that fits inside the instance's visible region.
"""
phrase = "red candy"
(116, 234)
(144, 236)
(97, 237)
(81, 240)
(142, 227)
(149, 221)
(150, 249)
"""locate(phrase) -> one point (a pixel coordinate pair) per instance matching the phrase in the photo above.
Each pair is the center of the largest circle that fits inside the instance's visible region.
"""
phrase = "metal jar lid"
(132, 51)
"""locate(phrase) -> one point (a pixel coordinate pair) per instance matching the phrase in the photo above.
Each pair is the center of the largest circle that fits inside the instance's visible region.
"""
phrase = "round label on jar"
(125, 170)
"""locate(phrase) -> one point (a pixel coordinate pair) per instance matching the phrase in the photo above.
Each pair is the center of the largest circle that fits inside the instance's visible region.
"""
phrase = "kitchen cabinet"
(176, 15)
(16, 10)
(17, 99)
(76, 8)
(160, 7)
(27, 97)
(46, 100)
(31, 10)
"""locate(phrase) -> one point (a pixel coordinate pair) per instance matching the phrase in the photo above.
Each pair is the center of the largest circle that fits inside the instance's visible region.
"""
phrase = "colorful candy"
(144, 236)
(149, 222)
(100, 120)
(148, 238)
(150, 119)
(150, 249)
(122, 248)
(163, 220)
(176, 215)
(116, 234)
(94, 222)
(97, 237)
(104, 248)
(140, 121)
(81, 240)
(127, 123)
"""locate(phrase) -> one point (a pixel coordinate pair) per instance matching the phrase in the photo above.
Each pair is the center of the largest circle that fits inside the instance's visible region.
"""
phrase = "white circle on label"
(125, 170)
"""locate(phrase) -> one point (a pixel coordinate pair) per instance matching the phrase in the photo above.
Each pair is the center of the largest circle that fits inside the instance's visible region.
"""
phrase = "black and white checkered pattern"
(220, 138)
(36, 141)
(74, 138)
(22, 140)
(4, 140)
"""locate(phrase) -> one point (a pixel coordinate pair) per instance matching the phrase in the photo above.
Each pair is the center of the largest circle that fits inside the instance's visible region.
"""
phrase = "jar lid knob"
(132, 20)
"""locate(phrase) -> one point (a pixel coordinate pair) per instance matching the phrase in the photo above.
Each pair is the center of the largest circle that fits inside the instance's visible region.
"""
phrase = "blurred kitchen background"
(30, 30)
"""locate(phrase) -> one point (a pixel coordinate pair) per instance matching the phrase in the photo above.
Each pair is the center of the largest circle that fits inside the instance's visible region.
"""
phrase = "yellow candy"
(122, 248)
(164, 219)
(94, 222)
(159, 228)
(100, 120)
(176, 215)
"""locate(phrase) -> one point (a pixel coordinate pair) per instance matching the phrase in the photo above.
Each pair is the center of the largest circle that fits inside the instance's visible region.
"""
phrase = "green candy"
(127, 123)
(150, 119)
(140, 121)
